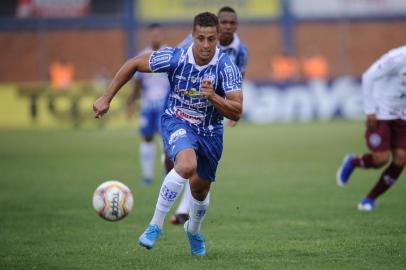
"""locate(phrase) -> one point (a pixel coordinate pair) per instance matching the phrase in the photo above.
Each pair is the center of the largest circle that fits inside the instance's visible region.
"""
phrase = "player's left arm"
(230, 106)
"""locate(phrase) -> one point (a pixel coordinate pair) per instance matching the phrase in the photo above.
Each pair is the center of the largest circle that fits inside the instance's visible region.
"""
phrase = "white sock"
(147, 157)
(170, 189)
(184, 204)
(198, 210)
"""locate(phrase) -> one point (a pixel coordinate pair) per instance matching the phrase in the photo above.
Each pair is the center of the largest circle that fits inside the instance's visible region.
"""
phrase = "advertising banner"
(185, 10)
(347, 8)
(315, 100)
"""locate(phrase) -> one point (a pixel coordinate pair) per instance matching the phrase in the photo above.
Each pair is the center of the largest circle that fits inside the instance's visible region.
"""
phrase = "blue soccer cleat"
(367, 204)
(196, 241)
(150, 235)
(345, 170)
(147, 181)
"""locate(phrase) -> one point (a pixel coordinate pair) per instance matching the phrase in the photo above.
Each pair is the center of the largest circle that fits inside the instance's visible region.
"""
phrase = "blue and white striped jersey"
(185, 101)
(155, 88)
(236, 50)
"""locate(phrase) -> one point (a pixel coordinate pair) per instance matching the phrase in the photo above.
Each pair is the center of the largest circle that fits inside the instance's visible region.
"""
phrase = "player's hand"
(130, 110)
(206, 89)
(101, 106)
(371, 121)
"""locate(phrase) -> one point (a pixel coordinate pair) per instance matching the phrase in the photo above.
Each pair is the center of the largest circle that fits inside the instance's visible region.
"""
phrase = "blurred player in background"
(229, 43)
(155, 88)
(205, 86)
(384, 94)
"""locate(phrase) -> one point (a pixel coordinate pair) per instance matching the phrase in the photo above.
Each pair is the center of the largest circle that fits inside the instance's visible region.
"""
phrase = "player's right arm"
(135, 95)
(125, 73)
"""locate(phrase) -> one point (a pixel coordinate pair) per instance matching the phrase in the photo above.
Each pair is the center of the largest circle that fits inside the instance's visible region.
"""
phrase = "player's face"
(156, 38)
(228, 24)
(204, 43)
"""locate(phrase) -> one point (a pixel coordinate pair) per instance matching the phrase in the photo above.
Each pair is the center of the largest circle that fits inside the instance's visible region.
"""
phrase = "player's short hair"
(226, 9)
(153, 26)
(206, 19)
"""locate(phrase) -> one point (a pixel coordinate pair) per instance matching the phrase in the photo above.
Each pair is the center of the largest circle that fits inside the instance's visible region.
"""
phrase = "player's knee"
(186, 168)
(186, 163)
(399, 157)
(380, 159)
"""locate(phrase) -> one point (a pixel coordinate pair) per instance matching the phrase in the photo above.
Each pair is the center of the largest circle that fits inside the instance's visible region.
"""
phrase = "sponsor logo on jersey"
(180, 77)
(229, 73)
(190, 116)
(161, 59)
(198, 105)
(192, 92)
(179, 133)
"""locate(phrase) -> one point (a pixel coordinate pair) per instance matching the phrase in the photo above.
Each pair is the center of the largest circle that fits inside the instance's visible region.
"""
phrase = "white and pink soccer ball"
(112, 200)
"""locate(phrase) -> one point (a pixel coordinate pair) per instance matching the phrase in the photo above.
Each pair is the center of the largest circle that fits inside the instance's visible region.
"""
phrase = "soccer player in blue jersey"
(155, 87)
(229, 43)
(205, 86)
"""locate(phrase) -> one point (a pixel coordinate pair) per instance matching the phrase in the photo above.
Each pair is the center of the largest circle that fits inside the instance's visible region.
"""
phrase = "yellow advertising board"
(185, 10)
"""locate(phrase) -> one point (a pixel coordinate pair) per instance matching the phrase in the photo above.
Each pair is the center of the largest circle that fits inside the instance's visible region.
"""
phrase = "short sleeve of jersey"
(242, 58)
(389, 64)
(160, 61)
(186, 42)
(231, 79)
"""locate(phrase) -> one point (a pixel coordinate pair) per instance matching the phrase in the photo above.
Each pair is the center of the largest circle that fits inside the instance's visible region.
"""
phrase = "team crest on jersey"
(210, 77)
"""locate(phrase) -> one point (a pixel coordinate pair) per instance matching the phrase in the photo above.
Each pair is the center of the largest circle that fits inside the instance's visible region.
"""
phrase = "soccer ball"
(112, 200)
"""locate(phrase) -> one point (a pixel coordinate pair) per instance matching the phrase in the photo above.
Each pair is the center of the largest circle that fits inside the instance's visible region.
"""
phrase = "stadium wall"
(350, 47)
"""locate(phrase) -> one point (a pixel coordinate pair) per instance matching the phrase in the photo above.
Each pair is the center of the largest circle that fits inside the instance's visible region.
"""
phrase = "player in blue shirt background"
(205, 86)
(229, 43)
(155, 88)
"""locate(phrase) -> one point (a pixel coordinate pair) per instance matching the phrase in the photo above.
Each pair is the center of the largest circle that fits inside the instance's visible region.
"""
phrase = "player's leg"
(185, 166)
(147, 147)
(390, 174)
(179, 144)
(378, 144)
(147, 157)
(208, 156)
(182, 212)
(167, 163)
(199, 205)
(395, 168)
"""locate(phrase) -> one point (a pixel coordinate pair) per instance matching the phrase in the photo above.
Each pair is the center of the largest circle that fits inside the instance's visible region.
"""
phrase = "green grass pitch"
(275, 204)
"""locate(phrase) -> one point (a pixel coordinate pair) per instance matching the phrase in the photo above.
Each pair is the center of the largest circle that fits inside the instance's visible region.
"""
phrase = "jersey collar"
(234, 44)
(191, 58)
